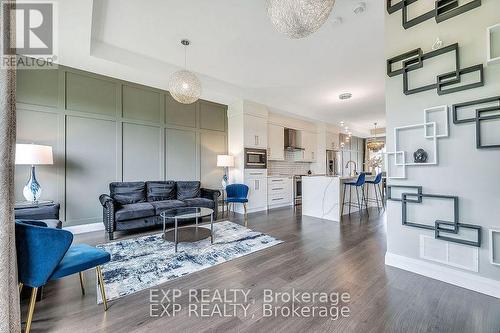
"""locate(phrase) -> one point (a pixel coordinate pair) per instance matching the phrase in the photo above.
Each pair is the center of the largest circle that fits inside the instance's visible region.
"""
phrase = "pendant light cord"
(185, 57)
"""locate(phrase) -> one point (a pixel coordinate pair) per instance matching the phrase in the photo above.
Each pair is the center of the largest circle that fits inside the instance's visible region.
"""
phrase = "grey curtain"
(9, 292)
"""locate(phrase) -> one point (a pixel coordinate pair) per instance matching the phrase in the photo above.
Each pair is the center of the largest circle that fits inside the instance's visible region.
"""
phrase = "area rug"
(144, 262)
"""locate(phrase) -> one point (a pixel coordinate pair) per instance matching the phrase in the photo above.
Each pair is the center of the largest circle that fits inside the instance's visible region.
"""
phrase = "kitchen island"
(322, 196)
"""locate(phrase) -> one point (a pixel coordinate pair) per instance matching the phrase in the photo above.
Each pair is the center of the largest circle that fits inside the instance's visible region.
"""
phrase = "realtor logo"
(32, 33)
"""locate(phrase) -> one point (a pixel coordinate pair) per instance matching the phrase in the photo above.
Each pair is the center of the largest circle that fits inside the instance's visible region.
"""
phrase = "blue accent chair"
(237, 193)
(45, 254)
(376, 182)
(359, 183)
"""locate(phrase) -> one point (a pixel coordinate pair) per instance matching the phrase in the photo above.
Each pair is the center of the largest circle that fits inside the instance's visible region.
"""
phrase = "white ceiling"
(238, 54)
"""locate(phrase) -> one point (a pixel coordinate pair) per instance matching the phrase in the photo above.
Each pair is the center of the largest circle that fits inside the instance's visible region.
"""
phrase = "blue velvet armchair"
(237, 193)
(45, 254)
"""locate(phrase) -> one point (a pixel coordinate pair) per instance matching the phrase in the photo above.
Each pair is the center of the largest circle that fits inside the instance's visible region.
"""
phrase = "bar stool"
(360, 182)
(376, 182)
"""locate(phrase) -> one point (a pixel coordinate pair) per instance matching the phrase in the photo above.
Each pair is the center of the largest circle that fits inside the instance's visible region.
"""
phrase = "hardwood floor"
(316, 256)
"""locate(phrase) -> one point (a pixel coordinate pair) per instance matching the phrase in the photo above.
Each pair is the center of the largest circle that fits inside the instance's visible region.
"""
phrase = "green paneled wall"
(104, 129)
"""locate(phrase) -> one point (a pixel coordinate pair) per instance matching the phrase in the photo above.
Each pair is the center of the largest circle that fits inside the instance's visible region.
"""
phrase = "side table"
(47, 211)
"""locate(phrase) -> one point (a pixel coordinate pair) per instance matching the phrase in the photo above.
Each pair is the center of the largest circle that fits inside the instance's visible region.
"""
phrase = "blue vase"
(32, 191)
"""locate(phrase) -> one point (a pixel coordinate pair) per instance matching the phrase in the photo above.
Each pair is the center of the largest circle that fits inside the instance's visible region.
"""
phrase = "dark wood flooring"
(316, 256)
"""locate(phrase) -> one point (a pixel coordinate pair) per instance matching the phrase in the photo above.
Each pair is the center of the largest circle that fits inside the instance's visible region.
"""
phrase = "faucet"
(354, 172)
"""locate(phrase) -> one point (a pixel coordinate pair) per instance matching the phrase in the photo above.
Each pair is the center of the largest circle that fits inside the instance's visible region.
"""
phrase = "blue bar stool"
(360, 182)
(376, 182)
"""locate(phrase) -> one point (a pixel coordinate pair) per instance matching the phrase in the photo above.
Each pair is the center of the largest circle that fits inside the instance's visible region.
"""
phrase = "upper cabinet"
(255, 132)
(332, 141)
(308, 142)
(276, 143)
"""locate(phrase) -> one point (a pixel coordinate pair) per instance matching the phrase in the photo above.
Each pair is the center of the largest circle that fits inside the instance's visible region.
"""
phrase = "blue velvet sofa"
(132, 205)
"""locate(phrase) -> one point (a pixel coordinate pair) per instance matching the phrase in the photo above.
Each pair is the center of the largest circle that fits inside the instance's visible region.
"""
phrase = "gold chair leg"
(100, 281)
(81, 282)
(31, 309)
(20, 287)
(245, 208)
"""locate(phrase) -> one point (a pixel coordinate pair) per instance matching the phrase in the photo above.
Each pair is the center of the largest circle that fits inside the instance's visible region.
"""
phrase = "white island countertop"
(322, 196)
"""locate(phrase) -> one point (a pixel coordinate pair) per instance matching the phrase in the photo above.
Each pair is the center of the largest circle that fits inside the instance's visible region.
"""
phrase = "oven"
(255, 158)
(297, 190)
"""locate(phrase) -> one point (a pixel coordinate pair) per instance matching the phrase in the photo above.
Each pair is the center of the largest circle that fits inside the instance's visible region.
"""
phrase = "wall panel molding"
(70, 101)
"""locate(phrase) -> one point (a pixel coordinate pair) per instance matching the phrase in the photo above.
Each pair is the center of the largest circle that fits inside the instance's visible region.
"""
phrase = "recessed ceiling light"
(345, 96)
(360, 8)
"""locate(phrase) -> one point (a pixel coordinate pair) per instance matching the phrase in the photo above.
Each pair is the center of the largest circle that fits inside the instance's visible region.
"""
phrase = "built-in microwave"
(255, 158)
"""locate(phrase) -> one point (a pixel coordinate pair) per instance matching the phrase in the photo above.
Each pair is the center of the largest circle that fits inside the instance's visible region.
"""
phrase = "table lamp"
(225, 161)
(31, 154)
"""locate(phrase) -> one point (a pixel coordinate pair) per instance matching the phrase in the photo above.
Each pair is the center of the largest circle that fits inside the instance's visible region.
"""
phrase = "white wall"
(463, 170)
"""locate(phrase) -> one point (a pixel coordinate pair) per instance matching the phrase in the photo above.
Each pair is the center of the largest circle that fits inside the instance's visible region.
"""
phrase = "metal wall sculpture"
(414, 60)
(417, 188)
(442, 11)
(484, 113)
(442, 229)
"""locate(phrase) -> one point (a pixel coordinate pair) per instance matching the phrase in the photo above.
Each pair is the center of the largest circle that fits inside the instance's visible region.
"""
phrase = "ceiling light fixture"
(373, 144)
(184, 86)
(345, 96)
(360, 8)
(298, 18)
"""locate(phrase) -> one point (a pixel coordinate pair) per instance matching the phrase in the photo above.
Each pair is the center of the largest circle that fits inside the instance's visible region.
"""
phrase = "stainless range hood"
(291, 140)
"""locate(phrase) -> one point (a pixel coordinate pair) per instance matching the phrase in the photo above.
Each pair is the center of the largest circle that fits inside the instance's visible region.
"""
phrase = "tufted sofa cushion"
(125, 193)
(188, 190)
(161, 190)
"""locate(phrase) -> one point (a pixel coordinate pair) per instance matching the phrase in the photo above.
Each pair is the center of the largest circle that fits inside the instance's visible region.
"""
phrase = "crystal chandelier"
(373, 144)
(184, 86)
(298, 18)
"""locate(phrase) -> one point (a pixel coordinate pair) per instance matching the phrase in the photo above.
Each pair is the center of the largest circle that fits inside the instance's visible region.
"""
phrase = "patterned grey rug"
(144, 262)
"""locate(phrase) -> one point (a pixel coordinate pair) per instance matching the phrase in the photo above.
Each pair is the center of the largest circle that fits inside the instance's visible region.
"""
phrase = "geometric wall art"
(442, 11)
(406, 146)
(439, 115)
(445, 234)
(394, 197)
(444, 230)
(485, 113)
(407, 198)
(444, 83)
(393, 165)
(404, 141)
(493, 44)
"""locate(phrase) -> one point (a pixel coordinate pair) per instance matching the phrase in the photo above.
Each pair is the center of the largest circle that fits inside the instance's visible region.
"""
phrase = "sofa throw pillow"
(126, 193)
(188, 190)
(161, 190)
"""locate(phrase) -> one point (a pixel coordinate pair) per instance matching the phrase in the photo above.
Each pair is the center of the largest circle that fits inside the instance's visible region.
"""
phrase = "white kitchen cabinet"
(275, 142)
(279, 192)
(332, 141)
(307, 141)
(256, 180)
(255, 135)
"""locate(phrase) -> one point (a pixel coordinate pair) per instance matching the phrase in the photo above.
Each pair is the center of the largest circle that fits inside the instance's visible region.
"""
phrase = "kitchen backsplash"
(288, 166)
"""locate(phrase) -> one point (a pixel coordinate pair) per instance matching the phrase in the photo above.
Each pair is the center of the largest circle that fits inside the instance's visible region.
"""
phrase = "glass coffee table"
(188, 233)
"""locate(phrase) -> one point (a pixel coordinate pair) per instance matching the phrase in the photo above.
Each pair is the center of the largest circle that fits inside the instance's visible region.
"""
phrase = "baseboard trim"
(456, 277)
(84, 228)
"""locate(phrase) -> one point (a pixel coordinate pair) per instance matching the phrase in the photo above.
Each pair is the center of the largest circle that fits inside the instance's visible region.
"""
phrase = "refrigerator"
(333, 161)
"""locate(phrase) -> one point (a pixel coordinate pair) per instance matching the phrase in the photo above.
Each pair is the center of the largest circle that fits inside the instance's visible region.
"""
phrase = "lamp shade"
(33, 154)
(225, 161)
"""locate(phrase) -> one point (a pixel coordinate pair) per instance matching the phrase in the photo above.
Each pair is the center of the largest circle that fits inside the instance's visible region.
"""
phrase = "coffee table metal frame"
(187, 216)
